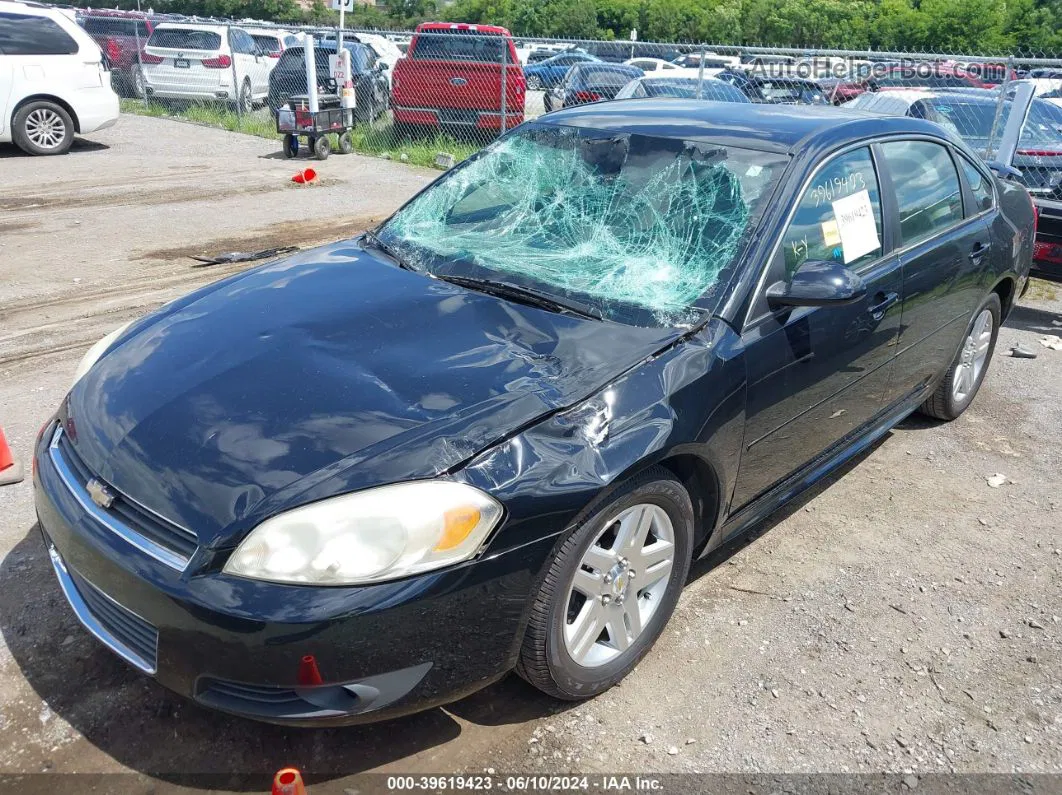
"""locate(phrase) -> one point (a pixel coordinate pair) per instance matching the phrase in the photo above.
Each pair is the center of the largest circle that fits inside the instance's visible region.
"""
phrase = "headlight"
(96, 351)
(369, 536)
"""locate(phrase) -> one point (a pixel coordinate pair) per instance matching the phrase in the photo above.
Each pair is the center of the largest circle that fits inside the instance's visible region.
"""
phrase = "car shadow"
(79, 146)
(1034, 319)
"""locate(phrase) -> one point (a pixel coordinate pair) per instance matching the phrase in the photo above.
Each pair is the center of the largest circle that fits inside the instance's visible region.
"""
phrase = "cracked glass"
(639, 227)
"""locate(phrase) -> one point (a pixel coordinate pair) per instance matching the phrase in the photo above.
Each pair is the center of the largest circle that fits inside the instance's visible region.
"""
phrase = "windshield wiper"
(374, 240)
(523, 295)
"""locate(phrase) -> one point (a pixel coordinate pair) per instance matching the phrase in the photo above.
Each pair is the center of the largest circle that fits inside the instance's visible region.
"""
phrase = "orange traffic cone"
(288, 782)
(304, 177)
(10, 469)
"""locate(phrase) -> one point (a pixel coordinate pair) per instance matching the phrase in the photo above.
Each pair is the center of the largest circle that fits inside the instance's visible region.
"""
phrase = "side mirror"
(818, 283)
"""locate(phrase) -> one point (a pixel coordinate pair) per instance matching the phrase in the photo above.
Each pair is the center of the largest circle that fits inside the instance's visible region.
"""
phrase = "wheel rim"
(973, 357)
(619, 584)
(45, 128)
(138, 82)
(245, 98)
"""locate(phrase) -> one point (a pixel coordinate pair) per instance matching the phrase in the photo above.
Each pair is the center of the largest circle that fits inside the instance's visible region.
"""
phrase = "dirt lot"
(906, 617)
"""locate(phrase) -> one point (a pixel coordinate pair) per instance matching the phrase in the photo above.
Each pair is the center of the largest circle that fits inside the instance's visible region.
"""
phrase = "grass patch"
(1039, 290)
(380, 139)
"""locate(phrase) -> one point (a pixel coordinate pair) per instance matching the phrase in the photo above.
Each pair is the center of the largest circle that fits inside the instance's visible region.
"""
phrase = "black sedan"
(368, 74)
(494, 432)
(590, 82)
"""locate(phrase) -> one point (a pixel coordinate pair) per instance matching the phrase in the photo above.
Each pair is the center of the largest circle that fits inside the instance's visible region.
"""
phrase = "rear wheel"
(346, 143)
(957, 389)
(136, 81)
(245, 102)
(322, 148)
(610, 590)
(42, 128)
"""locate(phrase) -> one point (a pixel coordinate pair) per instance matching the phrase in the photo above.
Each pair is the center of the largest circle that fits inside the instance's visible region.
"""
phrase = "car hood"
(325, 373)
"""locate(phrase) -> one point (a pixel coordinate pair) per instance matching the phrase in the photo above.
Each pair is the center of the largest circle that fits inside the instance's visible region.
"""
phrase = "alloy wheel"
(45, 128)
(973, 357)
(619, 584)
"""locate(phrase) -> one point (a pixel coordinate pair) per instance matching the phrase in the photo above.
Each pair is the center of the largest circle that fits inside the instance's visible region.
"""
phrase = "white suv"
(52, 80)
(219, 63)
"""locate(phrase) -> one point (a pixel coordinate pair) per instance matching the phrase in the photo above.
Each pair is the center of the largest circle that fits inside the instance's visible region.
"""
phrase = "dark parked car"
(494, 432)
(546, 74)
(288, 77)
(590, 82)
(775, 90)
(661, 85)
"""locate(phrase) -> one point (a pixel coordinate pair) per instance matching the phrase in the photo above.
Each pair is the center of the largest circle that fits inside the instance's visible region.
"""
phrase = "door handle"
(979, 250)
(885, 300)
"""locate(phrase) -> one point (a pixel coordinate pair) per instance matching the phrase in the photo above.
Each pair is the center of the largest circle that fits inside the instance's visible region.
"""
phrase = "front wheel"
(346, 143)
(610, 589)
(957, 389)
(322, 148)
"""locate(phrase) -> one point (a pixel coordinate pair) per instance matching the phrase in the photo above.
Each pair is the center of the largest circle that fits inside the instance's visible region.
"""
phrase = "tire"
(42, 128)
(960, 383)
(563, 654)
(136, 82)
(322, 148)
(291, 145)
(346, 143)
(534, 83)
(245, 102)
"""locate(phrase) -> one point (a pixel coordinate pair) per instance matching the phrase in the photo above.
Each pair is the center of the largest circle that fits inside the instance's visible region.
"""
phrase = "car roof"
(427, 27)
(778, 128)
(216, 27)
(34, 9)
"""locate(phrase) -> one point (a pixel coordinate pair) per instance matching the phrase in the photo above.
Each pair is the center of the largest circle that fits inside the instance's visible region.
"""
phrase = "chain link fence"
(435, 96)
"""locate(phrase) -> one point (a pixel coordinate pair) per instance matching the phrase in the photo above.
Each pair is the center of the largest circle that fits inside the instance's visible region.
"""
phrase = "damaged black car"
(493, 433)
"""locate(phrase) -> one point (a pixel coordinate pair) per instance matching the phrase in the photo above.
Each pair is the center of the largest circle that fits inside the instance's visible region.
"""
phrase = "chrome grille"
(166, 542)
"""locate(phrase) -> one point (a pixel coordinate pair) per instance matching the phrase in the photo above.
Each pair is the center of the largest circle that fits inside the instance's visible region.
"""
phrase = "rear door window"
(185, 39)
(839, 217)
(115, 26)
(460, 45)
(927, 188)
(241, 42)
(29, 34)
(267, 44)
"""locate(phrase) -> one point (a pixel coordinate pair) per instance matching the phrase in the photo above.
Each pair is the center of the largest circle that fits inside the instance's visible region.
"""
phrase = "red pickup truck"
(453, 76)
(118, 33)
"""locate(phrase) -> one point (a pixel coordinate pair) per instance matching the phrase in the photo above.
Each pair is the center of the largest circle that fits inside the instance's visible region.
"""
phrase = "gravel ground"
(904, 617)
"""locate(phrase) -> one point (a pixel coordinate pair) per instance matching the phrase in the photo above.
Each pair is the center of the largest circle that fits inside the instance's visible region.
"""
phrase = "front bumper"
(288, 654)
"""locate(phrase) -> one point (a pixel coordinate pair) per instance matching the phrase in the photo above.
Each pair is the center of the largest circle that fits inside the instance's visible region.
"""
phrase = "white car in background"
(652, 64)
(52, 81)
(387, 52)
(272, 43)
(206, 62)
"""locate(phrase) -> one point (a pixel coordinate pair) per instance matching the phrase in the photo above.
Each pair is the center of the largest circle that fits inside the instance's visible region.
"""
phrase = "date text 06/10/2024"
(524, 783)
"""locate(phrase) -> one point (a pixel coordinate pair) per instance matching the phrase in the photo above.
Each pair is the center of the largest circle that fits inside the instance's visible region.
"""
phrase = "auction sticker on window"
(855, 223)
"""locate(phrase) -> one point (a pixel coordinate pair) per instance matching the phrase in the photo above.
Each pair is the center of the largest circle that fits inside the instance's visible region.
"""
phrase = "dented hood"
(325, 373)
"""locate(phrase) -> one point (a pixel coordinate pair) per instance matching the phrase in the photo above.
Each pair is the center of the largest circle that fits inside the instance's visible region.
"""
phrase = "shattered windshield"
(636, 226)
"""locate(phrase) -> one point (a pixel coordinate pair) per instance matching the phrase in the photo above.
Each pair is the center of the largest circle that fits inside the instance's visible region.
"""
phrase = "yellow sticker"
(831, 235)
